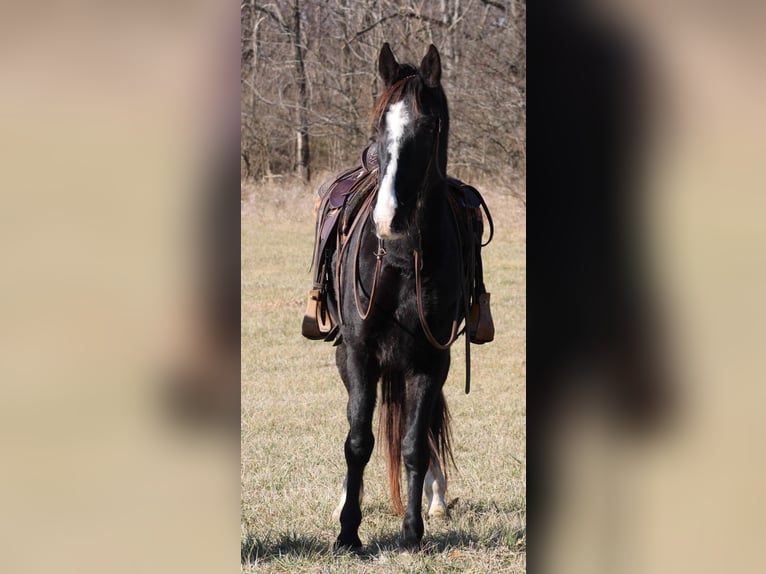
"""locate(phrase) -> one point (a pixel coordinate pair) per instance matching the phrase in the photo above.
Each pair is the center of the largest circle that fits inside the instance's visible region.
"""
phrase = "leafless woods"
(309, 80)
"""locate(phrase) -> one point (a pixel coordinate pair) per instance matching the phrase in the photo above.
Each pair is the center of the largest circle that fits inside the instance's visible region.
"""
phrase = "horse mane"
(395, 93)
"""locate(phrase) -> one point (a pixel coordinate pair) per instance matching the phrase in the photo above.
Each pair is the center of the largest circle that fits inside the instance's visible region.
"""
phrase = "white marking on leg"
(397, 120)
(436, 489)
(339, 508)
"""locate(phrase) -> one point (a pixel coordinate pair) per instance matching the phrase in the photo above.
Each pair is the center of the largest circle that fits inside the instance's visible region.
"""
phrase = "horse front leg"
(360, 375)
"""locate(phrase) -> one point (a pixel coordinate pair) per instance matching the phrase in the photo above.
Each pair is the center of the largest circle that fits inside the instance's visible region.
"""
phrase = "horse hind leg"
(435, 487)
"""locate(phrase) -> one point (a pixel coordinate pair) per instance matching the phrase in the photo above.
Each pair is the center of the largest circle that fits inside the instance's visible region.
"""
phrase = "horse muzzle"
(384, 229)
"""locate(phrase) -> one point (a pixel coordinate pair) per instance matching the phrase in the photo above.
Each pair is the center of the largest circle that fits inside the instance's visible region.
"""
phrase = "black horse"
(399, 291)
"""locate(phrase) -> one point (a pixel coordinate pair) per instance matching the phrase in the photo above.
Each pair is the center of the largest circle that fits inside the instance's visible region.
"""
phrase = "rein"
(378, 264)
(418, 261)
(421, 312)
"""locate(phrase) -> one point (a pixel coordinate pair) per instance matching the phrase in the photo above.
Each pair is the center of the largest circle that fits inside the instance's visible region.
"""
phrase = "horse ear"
(387, 65)
(431, 67)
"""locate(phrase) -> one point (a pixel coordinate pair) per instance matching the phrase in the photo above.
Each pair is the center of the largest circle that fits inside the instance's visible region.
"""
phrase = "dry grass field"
(294, 425)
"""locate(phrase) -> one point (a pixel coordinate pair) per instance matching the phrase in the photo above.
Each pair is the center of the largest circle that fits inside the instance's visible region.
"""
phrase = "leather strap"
(421, 312)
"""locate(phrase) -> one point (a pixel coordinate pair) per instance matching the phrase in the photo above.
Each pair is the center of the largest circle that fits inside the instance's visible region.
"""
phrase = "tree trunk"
(302, 148)
(247, 70)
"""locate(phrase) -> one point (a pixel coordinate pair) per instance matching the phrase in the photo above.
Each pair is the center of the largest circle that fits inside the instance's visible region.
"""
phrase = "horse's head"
(413, 125)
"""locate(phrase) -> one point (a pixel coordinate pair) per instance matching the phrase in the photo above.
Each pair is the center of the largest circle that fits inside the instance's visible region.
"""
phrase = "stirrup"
(317, 323)
(481, 328)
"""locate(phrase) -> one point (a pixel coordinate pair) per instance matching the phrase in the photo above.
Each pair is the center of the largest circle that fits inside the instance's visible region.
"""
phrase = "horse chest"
(394, 328)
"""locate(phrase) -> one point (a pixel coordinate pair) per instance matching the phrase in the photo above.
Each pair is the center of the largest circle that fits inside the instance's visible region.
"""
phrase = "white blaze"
(397, 120)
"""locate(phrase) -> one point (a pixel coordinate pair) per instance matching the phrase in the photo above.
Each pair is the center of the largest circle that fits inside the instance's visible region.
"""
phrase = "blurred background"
(115, 120)
(645, 332)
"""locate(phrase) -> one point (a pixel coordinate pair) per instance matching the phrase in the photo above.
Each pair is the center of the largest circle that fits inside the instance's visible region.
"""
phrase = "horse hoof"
(350, 544)
(407, 546)
(438, 512)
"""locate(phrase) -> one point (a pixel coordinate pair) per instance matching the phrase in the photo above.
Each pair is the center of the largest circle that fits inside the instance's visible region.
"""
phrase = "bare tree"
(303, 151)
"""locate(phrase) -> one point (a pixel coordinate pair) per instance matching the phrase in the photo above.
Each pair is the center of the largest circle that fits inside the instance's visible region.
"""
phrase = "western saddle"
(346, 199)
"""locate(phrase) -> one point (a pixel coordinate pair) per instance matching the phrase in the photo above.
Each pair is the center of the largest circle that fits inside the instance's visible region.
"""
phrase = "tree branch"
(273, 16)
(403, 13)
(371, 26)
(494, 4)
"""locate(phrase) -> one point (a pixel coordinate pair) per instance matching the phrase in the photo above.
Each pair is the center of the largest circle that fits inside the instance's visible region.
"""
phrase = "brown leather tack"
(317, 322)
(481, 328)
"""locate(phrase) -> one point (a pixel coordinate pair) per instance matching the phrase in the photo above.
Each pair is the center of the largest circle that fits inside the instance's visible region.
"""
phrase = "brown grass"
(293, 413)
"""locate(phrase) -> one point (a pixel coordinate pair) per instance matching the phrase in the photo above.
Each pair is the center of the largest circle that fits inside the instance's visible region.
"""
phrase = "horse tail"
(391, 428)
(391, 432)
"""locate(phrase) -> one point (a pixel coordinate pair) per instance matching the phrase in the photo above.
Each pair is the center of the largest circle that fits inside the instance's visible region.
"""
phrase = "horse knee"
(359, 448)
